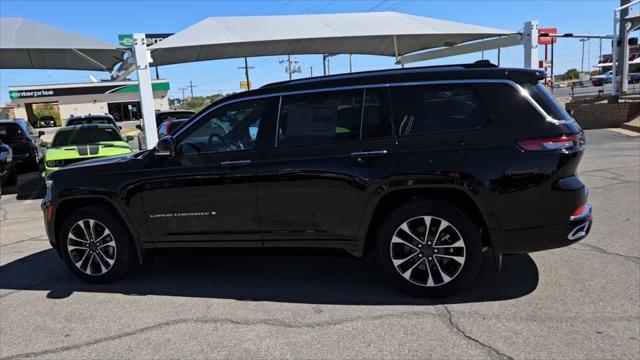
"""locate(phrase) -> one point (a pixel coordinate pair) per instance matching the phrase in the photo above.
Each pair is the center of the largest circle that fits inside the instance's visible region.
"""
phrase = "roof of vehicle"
(79, 126)
(174, 111)
(87, 116)
(478, 70)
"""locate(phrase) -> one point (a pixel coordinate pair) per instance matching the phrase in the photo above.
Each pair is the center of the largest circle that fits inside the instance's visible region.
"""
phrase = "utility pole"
(499, 57)
(157, 74)
(246, 68)
(192, 86)
(183, 90)
(350, 67)
(310, 71)
(289, 68)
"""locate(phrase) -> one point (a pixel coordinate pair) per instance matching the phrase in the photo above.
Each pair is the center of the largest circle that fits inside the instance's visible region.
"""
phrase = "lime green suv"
(73, 144)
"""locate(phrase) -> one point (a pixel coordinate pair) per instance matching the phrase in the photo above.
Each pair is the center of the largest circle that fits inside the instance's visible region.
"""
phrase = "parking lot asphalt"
(582, 301)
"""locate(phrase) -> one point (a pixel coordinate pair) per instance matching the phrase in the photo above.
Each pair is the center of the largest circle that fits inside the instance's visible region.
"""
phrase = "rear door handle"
(236, 163)
(368, 154)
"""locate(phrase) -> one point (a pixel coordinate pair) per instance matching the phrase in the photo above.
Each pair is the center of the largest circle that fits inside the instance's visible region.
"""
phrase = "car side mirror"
(570, 111)
(129, 138)
(165, 146)
(139, 127)
(40, 133)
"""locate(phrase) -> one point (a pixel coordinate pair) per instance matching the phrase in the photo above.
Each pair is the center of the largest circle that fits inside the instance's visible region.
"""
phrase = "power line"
(377, 5)
(289, 69)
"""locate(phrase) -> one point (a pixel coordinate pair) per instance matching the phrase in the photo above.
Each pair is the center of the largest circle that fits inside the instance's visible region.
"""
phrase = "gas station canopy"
(26, 44)
(375, 33)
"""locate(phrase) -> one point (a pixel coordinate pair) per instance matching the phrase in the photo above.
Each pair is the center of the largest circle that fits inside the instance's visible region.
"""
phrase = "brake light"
(579, 210)
(551, 144)
(17, 139)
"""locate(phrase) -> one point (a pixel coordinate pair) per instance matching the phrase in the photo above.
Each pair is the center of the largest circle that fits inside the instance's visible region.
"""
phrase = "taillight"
(579, 210)
(551, 144)
(17, 139)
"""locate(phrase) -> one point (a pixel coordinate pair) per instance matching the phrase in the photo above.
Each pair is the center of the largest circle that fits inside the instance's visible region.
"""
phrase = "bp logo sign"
(125, 40)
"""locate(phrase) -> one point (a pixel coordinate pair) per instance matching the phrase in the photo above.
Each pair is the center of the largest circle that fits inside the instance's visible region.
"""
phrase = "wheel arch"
(67, 206)
(394, 198)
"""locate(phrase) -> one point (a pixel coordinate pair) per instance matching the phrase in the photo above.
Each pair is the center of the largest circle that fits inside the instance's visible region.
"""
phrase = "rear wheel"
(430, 248)
(12, 177)
(95, 245)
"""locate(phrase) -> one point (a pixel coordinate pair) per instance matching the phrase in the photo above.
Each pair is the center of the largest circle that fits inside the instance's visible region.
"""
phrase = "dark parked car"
(428, 166)
(24, 141)
(168, 127)
(46, 121)
(8, 173)
(92, 119)
(162, 116)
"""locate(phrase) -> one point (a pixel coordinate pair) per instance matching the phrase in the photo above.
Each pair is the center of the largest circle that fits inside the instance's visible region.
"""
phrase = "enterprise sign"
(126, 40)
(105, 88)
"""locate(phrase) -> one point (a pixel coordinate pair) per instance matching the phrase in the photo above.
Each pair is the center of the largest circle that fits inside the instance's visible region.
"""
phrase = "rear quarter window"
(547, 101)
(436, 108)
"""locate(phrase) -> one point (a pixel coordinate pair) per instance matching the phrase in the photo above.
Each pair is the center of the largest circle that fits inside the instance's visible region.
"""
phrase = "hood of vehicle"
(87, 151)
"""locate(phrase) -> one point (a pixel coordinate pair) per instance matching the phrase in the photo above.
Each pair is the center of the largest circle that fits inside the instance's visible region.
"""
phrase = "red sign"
(545, 40)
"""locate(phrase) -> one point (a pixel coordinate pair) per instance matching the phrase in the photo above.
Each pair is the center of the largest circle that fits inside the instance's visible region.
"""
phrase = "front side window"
(436, 108)
(231, 127)
(320, 118)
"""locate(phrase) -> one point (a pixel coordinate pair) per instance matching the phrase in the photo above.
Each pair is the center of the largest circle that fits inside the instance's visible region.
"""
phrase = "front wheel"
(95, 245)
(430, 248)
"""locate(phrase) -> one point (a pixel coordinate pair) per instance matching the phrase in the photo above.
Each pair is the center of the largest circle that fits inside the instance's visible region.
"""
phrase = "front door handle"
(368, 154)
(236, 163)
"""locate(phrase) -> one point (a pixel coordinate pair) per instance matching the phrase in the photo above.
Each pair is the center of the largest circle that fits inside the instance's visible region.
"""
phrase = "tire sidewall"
(119, 233)
(448, 212)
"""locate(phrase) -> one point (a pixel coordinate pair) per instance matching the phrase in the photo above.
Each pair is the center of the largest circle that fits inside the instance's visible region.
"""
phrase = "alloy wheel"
(91, 247)
(427, 251)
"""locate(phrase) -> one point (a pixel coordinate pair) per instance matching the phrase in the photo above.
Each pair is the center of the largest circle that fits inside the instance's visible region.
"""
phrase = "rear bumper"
(544, 237)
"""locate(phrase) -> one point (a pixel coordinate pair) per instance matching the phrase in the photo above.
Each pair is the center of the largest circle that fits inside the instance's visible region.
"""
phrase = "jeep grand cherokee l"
(425, 166)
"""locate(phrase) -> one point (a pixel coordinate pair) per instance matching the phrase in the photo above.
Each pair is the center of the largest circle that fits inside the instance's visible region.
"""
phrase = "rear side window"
(547, 101)
(10, 131)
(320, 118)
(376, 121)
(436, 108)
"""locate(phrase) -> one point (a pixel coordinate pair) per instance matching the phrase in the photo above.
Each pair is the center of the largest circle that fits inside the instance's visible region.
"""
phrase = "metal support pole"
(614, 54)
(499, 57)
(582, 58)
(350, 67)
(624, 78)
(530, 42)
(324, 64)
(143, 58)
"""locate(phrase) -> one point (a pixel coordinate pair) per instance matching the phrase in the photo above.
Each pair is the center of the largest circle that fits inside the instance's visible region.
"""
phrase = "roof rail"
(475, 65)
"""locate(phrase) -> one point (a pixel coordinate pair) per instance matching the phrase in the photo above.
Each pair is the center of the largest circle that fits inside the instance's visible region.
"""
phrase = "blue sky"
(107, 19)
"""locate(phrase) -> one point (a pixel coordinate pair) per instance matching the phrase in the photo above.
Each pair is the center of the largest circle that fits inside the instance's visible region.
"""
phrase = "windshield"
(85, 135)
(95, 120)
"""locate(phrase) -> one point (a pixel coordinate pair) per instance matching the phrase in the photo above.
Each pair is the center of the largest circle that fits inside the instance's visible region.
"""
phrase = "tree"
(197, 103)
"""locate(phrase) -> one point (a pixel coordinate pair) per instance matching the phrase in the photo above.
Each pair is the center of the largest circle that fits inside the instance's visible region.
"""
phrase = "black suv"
(429, 166)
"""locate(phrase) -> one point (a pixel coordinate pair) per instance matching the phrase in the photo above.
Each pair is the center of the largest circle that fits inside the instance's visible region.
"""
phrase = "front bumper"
(544, 237)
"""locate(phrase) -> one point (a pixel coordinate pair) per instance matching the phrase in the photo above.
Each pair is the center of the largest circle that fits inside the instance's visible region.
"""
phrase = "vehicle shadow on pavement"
(313, 279)
(30, 186)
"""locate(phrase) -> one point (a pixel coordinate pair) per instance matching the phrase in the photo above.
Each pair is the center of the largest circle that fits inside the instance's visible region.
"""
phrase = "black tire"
(124, 252)
(12, 178)
(461, 227)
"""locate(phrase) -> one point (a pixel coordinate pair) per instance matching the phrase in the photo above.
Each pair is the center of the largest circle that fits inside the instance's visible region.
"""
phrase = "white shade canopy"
(26, 44)
(375, 33)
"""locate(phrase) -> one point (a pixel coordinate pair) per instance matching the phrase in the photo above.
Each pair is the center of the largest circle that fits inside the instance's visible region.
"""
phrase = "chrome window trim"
(524, 93)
